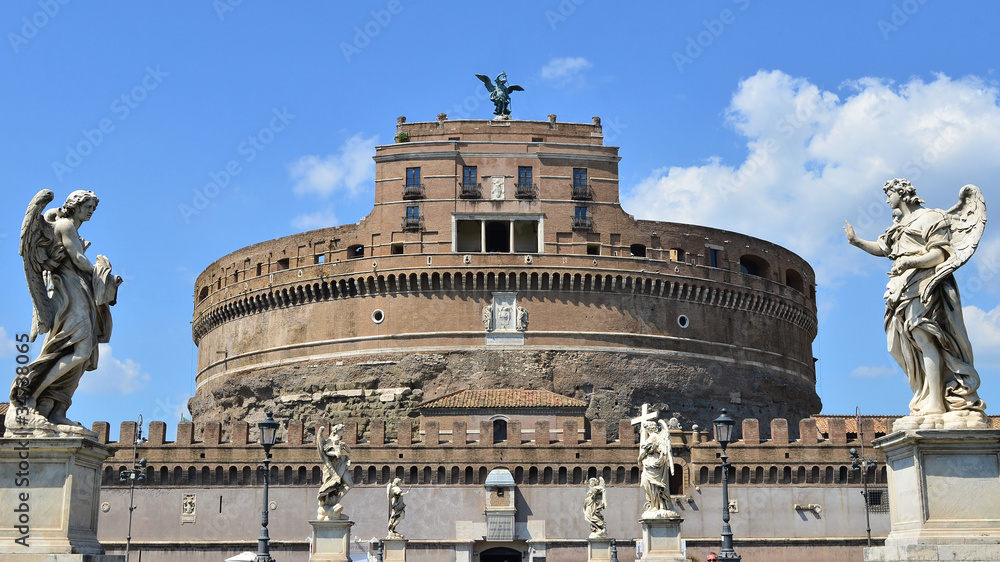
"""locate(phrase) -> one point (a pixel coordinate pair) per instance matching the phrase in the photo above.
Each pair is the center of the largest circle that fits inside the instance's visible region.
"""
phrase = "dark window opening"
(260, 269)
(282, 264)
(412, 177)
(713, 257)
(469, 236)
(498, 237)
(469, 176)
(499, 431)
(794, 280)
(677, 481)
(638, 250)
(355, 251)
(203, 293)
(677, 254)
(593, 249)
(396, 249)
(319, 258)
(753, 265)
(537, 139)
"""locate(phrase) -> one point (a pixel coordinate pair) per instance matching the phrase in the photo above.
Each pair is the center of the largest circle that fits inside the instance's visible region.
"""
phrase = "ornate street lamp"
(724, 435)
(268, 435)
(861, 463)
(136, 474)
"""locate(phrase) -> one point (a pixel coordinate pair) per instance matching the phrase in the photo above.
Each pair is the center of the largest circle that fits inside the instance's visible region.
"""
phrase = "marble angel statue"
(594, 505)
(337, 479)
(72, 299)
(397, 509)
(657, 462)
(924, 326)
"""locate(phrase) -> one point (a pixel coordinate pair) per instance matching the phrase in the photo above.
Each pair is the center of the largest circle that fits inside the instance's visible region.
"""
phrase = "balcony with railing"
(413, 191)
(525, 190)
(582, 192)
(411, 224)
(583, 223)
(471, 191)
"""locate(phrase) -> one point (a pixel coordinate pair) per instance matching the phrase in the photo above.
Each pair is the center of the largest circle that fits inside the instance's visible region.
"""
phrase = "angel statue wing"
(968, 220)
(320, 440)
(515, 88)
(486, 80)
(40, 253)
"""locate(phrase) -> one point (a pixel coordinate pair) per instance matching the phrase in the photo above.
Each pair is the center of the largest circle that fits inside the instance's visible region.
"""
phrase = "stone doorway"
(500, 554)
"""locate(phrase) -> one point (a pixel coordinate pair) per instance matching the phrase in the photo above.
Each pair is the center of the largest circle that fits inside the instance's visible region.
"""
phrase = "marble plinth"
(661, 540)
(598, 550)
(394, 550)
(944, 495)
(50, 489)
(331, 541)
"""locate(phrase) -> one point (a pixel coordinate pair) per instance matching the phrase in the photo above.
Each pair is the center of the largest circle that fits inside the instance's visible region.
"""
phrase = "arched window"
(355, 251)
(203, 294)
(754, 265)
(638, 250)
(677, 481)
(499, 430)
(794, 280)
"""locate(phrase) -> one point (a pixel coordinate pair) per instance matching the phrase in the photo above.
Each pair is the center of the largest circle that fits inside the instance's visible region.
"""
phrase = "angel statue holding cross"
(924, 326)
(72, 299)
(657, 462)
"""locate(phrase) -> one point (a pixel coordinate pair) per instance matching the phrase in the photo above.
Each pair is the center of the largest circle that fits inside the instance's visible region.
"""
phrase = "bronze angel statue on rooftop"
(72, 298)
(924, 326)
(500, 94)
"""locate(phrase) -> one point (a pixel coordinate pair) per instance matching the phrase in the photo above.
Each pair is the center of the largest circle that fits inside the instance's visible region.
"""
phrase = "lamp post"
(268, 435)
(136, 474)
(861, 463)
(724, 435)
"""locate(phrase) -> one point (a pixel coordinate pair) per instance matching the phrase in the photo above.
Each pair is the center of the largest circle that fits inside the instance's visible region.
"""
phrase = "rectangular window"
(713, 257)
(579, 177)
(580, 213)
(397, 249)
(413, 212)
(593, 249)
(412, 177)
(524, 175)
(469, 175)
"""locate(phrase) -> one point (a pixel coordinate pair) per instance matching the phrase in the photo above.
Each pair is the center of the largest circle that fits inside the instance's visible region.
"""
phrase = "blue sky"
(779, 120)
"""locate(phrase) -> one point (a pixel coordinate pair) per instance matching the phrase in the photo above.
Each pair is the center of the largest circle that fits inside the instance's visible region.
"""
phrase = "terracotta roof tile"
(504, 398)
(3, 408)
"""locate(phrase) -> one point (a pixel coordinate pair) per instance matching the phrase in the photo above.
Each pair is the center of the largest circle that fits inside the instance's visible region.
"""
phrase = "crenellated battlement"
(210, 454)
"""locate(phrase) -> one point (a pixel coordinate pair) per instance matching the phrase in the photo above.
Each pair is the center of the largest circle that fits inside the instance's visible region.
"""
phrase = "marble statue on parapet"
(593, 508)
(397, 509)
(72, 299)
(488, 318)
(657, 463)
(337, 479)
(500, 94)
(923, 312)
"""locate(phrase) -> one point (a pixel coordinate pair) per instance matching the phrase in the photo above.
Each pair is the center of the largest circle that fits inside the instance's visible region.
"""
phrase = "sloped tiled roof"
(883, 424)
(3, 408)
(504, 398)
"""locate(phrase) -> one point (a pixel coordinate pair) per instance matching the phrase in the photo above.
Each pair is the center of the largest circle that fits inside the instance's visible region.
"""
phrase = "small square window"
(593, 249)
(413, 212)
(396, 249)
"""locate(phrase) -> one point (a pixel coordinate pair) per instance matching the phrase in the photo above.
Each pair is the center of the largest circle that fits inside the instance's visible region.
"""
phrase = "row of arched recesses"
(380, 475)
(790, 475)
(491, 281)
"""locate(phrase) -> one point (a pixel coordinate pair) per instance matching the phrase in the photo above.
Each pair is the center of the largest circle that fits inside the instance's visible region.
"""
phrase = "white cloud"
(566, 70)
(349, 170)
(874, 371)
(984, 331)
(113, 375)
(319, 219)
(8, 348)
(815, 159)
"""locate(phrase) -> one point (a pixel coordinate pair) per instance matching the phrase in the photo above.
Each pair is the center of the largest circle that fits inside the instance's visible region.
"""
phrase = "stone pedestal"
(394, 550)
(661, 540)
(944, 495)
(331, 541)
(50, 489)
(598, 550)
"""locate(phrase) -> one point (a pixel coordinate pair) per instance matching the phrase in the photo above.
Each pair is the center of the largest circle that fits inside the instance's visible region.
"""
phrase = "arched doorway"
(500, 554)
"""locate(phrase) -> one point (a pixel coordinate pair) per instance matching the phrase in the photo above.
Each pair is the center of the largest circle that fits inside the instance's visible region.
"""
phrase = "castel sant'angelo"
(497, 256)
(487, 335)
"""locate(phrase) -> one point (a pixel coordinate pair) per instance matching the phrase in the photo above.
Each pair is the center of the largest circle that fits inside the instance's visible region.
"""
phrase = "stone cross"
(645, 416)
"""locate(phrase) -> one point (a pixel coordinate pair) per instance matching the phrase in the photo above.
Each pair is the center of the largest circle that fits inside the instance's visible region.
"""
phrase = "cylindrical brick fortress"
(497, 255)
